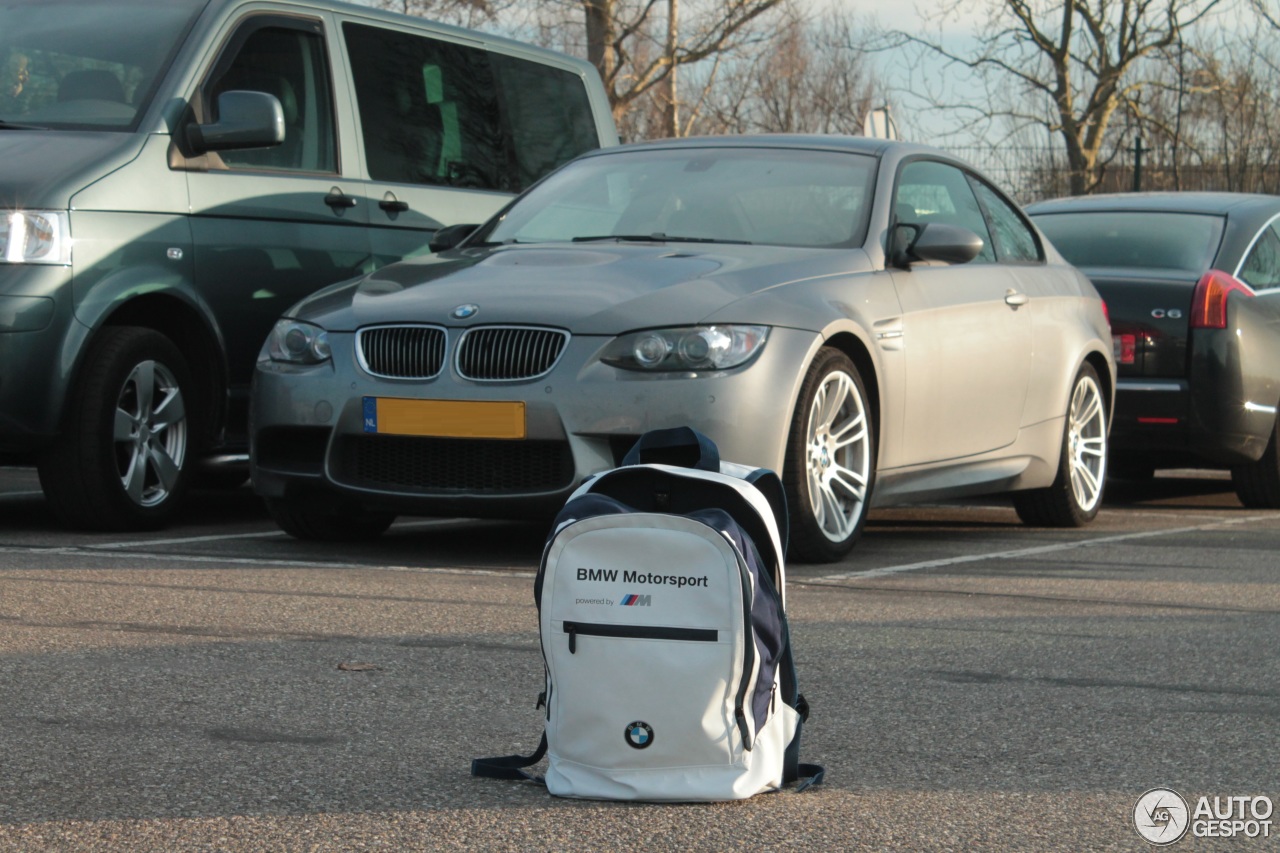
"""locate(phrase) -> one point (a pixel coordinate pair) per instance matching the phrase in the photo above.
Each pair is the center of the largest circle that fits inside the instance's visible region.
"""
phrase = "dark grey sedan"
(1192, 281)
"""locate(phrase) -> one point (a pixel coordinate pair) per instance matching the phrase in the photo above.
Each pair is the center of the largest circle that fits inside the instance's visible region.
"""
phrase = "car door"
(965, 333)
(271, 225)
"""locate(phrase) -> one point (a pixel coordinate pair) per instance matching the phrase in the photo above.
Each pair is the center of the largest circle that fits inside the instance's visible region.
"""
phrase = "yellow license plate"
(444, 418)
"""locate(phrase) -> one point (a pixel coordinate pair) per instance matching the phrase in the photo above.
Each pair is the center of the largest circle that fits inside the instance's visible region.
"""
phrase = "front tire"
(830, 460)
(1257, 484)
(122, 460)
(1076, 494)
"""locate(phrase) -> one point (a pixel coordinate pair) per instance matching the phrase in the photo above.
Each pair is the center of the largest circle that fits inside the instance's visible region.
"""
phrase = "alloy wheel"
(1087, 443)
(838, 456)
(150, 433)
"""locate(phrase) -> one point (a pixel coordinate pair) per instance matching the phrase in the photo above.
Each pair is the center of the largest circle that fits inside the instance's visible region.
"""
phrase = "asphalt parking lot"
(975, 684)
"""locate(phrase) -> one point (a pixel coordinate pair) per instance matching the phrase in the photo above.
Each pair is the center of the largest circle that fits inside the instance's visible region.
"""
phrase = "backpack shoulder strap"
(511, 767)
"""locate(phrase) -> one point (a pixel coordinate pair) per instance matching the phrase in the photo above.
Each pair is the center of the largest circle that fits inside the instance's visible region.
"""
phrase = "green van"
(174, 174)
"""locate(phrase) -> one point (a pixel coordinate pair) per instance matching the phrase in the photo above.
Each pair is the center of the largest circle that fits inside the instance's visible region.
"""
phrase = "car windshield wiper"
(11, 125)
(655, 238)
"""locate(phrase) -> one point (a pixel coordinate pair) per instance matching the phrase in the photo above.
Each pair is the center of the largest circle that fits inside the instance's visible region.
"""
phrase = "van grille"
(401, 352)
(494, 353)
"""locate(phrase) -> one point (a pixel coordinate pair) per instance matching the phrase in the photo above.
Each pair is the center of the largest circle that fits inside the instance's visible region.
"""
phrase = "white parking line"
(99, 553)
(264, 534)
(885, 571)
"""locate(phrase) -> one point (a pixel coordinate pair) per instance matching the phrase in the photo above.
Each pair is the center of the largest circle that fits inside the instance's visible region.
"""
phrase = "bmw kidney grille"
(401, 352)
(495, 353)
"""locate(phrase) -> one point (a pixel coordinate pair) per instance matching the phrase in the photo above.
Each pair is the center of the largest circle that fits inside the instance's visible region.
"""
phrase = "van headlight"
(687, 348)
(298, 343)
(35, 237)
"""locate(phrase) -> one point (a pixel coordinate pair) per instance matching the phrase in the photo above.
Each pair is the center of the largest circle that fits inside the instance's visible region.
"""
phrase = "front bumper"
(309, 441)
(38, 344)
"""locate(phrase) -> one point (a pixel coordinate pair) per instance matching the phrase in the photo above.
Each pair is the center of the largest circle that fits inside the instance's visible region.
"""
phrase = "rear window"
(1183, 242)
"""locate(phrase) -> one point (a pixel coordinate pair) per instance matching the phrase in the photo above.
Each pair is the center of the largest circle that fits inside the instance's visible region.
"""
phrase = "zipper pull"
(572, 628)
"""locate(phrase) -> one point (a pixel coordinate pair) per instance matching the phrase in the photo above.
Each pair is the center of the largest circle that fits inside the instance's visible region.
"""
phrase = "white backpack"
(661, 611)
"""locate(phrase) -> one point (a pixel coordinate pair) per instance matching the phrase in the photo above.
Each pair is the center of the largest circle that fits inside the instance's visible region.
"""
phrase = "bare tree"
(1068, 66)
(805, 79)
(464, 13)
(1214, 122)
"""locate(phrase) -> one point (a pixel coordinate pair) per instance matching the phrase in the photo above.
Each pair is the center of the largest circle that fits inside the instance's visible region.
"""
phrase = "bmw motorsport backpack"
(669, 674)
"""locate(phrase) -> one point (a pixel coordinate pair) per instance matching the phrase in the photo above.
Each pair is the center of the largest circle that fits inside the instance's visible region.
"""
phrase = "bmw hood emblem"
(465, 312)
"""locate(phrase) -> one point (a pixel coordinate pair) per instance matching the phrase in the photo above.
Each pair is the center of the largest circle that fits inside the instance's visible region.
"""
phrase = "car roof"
(827, 142)
(1214, 203)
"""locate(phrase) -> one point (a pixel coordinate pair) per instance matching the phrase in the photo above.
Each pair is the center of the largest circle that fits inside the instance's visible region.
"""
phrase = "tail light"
(1209, 304)
(1124, 348)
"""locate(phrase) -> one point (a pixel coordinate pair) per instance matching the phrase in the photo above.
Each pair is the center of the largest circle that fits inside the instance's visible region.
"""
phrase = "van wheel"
(1257, 484)
(1076, 493)
(830, 460)
(353, 525)
(121, 462)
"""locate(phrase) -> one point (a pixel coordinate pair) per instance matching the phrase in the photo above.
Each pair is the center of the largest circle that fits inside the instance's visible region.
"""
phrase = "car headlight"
(686, 348)
(35, 237)
(298, 343)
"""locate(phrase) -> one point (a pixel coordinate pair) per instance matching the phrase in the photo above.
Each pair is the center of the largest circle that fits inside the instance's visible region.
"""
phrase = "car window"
(428, 110)
(753, 195)
(1261, 269)
(1140, 239)
(84, 65)
(929, 191)
(289, 63)
(1015, 242)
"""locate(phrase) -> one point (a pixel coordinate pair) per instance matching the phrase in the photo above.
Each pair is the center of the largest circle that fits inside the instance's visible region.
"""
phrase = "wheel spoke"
(135, 479)
(170, 411)
(144, 380)
(841, 437)
(164, 467)
(1093, 407)
(836, 520)
(124, 426)
(1093, 447)
(849, 480)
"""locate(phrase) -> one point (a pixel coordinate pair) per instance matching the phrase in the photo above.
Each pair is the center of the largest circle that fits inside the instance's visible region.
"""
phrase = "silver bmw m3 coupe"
(874, 320)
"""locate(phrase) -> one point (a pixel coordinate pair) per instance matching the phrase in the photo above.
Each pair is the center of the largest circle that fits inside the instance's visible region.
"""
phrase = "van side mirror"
(245, 120)
(935, 241)
(450, 236)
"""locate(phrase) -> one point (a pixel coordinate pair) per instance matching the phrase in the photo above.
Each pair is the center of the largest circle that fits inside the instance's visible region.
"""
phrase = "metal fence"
(1035, 173)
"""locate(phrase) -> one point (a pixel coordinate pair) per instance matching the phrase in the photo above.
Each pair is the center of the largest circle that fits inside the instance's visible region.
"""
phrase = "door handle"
(339, 200)
(391, 205)
(1014, 298)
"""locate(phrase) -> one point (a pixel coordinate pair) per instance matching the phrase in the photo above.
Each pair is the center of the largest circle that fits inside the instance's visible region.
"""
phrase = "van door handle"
(338, 200)
(391, 205)
(1014, 298)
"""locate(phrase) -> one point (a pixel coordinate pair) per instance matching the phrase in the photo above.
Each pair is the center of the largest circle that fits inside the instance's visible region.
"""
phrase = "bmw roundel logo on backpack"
(638, 735)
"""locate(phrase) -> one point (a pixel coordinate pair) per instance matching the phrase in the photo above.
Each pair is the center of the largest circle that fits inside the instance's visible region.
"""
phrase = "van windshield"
(85, 65)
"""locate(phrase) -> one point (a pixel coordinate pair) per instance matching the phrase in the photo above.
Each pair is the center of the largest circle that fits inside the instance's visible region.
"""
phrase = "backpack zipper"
(637, 632)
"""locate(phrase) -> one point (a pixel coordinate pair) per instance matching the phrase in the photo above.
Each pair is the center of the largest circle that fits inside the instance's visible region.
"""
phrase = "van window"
(84, 65)
(289, 63)
(438, 113)
(549, 113)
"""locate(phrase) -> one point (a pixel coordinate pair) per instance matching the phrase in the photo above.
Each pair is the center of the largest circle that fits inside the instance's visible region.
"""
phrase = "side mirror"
(245, 120)
(936, 241)
(450, 236)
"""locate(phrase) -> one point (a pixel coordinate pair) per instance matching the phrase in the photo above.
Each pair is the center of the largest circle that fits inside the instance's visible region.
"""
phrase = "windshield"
(78, 64)
(1181, 242)
(778, 196)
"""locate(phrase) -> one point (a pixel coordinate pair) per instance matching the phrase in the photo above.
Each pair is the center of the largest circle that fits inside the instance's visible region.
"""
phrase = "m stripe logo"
(636, 600)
